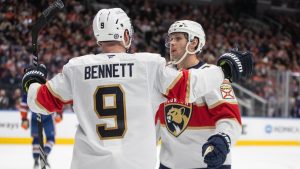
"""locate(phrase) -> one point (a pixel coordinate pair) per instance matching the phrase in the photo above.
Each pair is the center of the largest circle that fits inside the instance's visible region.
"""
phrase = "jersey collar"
(201, 63)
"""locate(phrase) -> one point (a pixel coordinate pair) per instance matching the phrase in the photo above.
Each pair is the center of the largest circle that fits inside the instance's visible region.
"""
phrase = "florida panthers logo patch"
(227, 91)
(177, 117)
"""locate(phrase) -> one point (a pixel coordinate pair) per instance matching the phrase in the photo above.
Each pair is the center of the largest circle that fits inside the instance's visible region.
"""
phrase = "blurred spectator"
(4, 100)
(276, 47)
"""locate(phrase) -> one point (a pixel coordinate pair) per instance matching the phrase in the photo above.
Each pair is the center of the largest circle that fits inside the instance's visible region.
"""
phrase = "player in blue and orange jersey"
(49, 129)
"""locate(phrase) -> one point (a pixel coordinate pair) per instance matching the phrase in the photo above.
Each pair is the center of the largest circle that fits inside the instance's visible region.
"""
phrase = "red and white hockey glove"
(215, 150)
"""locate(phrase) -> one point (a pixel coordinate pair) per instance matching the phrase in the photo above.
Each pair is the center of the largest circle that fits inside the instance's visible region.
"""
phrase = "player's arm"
(158, 115)
(187, 86)
(46, 98)
(218, 145)
(23, 111)
(223, 108)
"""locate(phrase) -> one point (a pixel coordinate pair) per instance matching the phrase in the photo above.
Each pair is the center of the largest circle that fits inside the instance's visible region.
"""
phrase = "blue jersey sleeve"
(24, 99)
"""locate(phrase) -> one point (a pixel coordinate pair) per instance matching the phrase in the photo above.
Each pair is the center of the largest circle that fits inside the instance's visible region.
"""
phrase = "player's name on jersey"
(115, 70)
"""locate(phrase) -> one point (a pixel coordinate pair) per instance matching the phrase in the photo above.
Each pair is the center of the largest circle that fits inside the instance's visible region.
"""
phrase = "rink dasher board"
(256, 131)
(11, 131)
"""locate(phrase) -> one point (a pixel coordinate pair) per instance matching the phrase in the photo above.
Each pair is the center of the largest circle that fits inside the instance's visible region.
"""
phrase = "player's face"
(177, 45)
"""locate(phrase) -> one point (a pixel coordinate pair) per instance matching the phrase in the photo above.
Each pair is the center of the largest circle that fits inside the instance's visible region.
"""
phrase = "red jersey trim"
(195, 127)
(55, 94)
(226, 111)
(221, 102)
(188, 88)
(47, 101)
(38, 103)
(173, 83)
(202, 116)
(179, 87)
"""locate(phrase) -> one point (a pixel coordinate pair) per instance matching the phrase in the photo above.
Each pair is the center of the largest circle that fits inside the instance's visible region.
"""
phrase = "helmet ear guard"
(111, 24)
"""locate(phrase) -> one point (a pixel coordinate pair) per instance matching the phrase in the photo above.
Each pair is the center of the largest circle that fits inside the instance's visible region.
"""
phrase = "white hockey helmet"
(192, 29)
(110, 25)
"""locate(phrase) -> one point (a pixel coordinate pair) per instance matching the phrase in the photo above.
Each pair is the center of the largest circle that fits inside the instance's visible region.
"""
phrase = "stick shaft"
(40, 23)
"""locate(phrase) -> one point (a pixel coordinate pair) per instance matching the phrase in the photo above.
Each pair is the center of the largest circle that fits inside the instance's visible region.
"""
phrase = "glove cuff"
(225, 138)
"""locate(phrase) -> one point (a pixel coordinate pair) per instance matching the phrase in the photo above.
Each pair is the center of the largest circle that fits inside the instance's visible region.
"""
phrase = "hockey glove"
(34, 74)
(25, 123)
(215, 150)
(58, 117)
(236, 65)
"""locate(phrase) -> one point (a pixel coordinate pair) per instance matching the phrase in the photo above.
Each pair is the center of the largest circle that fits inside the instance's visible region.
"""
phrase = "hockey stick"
(40, 23)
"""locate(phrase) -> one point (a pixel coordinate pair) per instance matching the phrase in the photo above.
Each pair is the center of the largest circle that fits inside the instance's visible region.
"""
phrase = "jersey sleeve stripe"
(173, 83)
(194, 127)
(199, 104)
(226, 111)
(46, 101)
(55, 94)
(23, 107)
(221, 102)
(188, 88)
(39, 105)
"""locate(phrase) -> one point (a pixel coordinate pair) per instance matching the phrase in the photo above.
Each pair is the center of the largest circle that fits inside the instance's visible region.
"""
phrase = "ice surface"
(287, 157)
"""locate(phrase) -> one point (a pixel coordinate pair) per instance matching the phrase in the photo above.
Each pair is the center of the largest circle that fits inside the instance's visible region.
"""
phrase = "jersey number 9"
(109, 102)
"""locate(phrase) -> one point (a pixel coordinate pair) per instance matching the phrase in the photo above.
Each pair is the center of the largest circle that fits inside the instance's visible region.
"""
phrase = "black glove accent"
(34, 74)
(236, 65)
(219, 148)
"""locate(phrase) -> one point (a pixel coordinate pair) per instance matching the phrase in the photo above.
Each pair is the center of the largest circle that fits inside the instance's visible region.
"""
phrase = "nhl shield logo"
(177, 117)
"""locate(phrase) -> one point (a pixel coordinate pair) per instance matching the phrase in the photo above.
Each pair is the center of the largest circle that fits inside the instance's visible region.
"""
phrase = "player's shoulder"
(80, 59)
(149, 57)
(226, 82)
(206, 65)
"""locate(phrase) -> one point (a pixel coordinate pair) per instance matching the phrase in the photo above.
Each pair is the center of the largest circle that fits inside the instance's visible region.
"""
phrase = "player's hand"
(34, 74)
(25, 123)
(58, 117)
(236, 65)
(215, 150)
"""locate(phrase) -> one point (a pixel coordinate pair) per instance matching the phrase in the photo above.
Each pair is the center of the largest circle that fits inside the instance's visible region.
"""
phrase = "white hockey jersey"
(115, 96)
(184, 127)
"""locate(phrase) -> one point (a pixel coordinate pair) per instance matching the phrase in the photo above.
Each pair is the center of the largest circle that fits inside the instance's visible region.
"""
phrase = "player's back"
(112, 98)
(115, 97)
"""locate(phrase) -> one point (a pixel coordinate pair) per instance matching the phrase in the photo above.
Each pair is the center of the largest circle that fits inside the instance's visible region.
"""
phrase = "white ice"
(288, 157)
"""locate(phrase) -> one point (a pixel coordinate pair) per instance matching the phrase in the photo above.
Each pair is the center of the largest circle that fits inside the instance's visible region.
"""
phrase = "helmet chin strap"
(128, 45)
(184, 55)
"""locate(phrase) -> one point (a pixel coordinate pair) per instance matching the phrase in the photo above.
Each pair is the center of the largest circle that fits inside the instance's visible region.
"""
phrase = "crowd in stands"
(275, 49)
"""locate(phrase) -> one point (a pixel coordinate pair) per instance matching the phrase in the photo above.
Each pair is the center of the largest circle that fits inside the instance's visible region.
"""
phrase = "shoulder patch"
(227, 91)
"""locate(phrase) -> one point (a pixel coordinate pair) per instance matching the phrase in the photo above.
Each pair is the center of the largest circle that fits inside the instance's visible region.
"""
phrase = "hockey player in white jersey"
(197, 135)
(115, 95)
